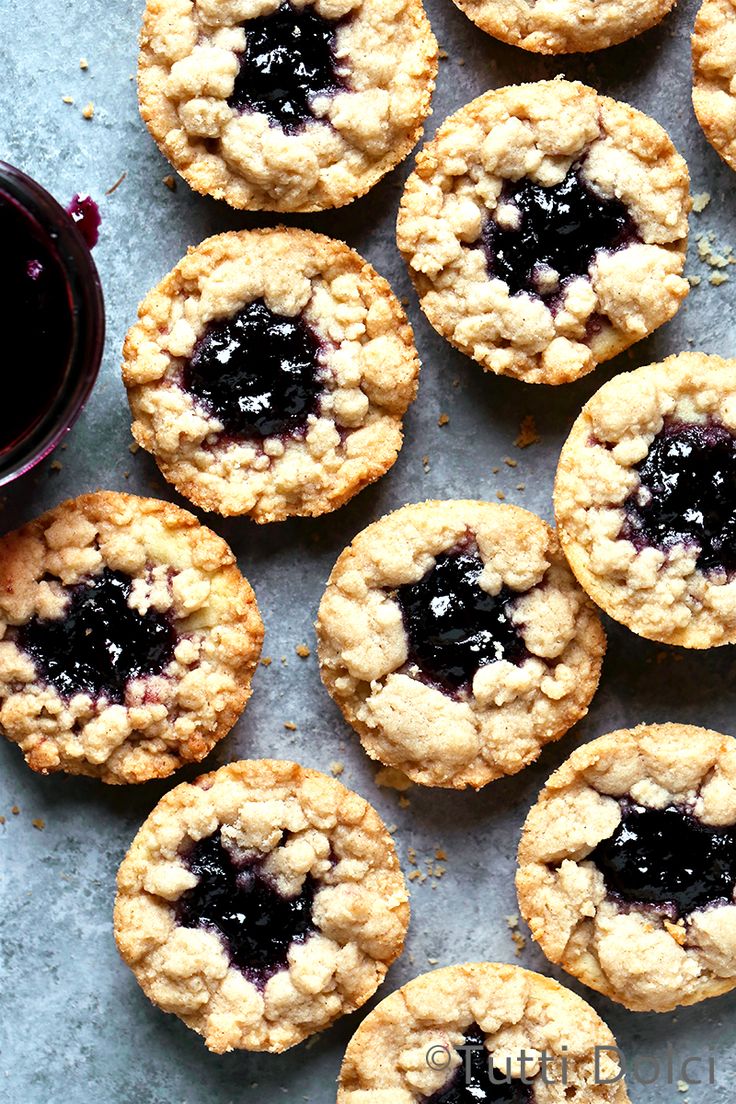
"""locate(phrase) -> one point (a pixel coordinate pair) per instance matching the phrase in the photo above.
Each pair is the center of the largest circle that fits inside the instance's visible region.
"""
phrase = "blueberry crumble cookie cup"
(714, 75)
(269, 373)
(128, 638)
(456, 642)
(627, 866)
(545, 229)
(564, 27)
(480, 1032)
(645, 499)
(285, 106)
(260, 903)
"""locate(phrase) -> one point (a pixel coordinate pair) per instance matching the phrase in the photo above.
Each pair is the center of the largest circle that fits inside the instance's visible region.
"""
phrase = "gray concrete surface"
(77, 1030)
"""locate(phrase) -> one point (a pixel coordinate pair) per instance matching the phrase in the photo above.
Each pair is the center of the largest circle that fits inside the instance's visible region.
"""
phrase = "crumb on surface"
(718, 278)
(527, 434)
(510, 462)
(290, 726)
(302, 650)
(39, 823)
(88, 111)
(700, 201)
(67, 100)
(443, 419)
(266, 661)
(109, 192)
(336, 768)
(15, 810)
(170, 182)
(500, 496)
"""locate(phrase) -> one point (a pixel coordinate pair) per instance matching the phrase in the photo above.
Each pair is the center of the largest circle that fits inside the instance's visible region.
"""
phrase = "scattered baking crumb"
(682, 1086)
(284, 661)
(83, 63)
(432, 961)
(500, 496)
(134, 447)
(404, 802)
(266, 661)
(440, 854)
(88, 111)
(519, 942)
(39, 823)
(718, 278)
(442, 55)
(694, 281)
(700, 202)
(114, 188)
(303, 651)
(511, 463)
(392, 779)
(170, 182)
(425, 463)
(495, 471)
(521, 486)
(513, 921)
(416, 875)
(55, 465)
(290, 725)
(461, 61)
(404, 300)
(67, 100)
(336, 767)
(443, 419)
(527, 432)
(2, 819)
(15, 810)
(412, 855)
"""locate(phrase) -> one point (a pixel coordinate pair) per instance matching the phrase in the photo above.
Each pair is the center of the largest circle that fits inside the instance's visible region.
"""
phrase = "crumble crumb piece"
(527, 432)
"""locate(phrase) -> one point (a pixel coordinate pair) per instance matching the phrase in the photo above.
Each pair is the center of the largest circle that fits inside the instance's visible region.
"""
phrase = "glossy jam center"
(471, 1082)
(454, 626)
(100, 643)
(668, 857)
(240, 901)
(258, 372)
(552, 234)
(38, 325)
(289, 59)
(687, 494)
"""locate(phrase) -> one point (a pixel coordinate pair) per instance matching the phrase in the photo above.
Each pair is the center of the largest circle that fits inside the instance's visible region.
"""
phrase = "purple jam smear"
(38, 337)
(86, 214)
(668, 857)
(560, 228)
(289, 59)
(240, 902)
(687, 494)
(100, 643)
(258, 372)
(454, 626)
(471, 1081)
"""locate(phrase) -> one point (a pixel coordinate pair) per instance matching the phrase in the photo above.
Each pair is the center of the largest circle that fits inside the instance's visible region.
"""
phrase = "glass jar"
(53, 322)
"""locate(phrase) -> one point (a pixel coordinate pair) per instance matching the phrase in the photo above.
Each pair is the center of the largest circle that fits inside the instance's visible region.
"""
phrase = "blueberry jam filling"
(86, 214)
(100, 643)
(289, 59)
(240, 901)
(475, 1082)
(454, 626)
(667, 857)
(552, 234)
(687, 494)
(258, 372)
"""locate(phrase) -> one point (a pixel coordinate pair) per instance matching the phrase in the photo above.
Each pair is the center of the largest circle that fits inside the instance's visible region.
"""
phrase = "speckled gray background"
(77, 1030)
